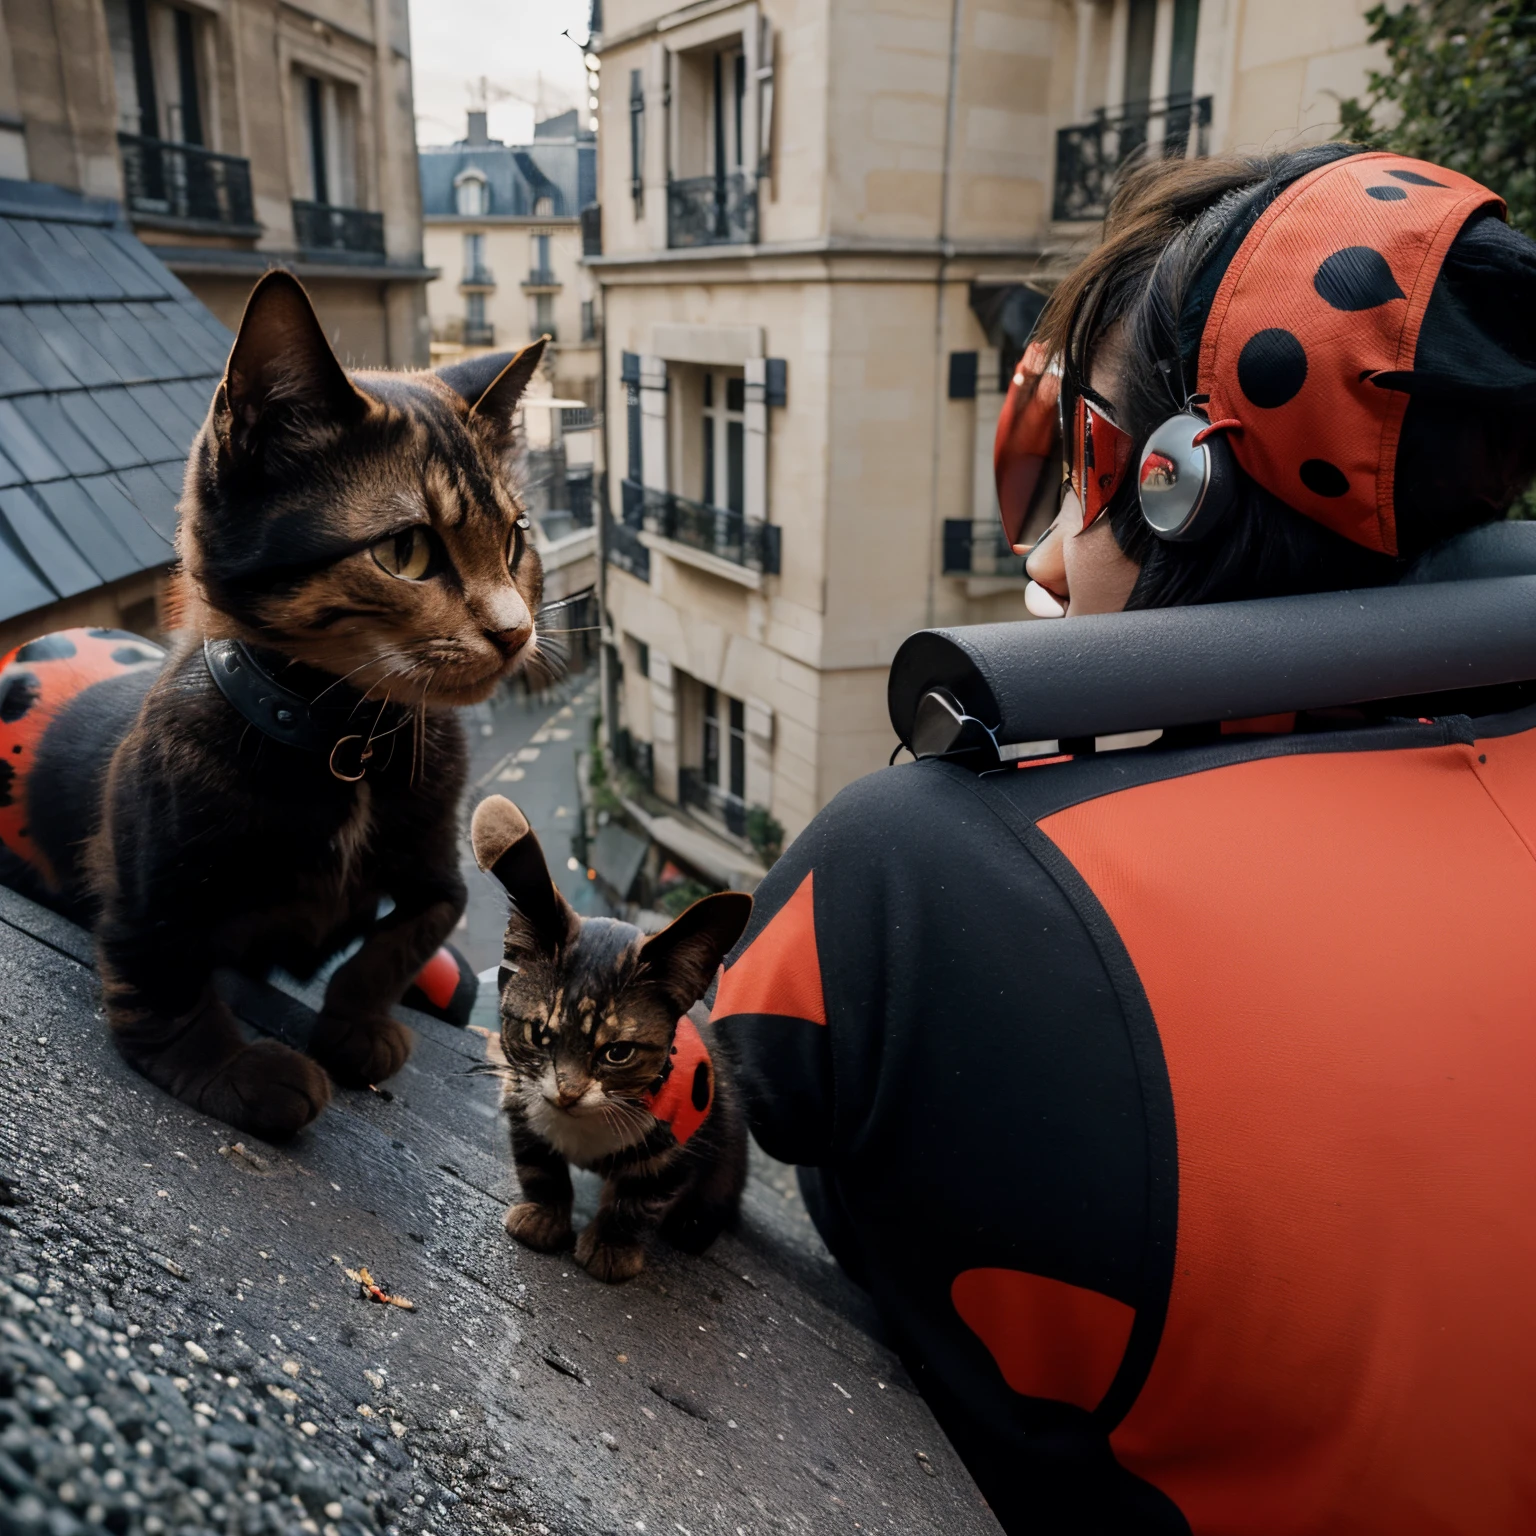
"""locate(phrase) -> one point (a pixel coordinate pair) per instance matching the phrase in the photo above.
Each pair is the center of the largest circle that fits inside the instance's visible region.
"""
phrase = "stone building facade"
(236, 134)
(828, 226)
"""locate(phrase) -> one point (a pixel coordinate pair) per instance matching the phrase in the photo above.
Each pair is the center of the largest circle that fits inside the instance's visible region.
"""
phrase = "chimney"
(477, 133)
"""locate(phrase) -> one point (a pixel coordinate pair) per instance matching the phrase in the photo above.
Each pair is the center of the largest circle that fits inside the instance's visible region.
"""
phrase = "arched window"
(472, 197)
(544, 208)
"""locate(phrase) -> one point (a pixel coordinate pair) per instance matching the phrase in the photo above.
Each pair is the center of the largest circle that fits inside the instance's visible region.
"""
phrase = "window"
(474, 257)
(471, 195)
(588, 320)
(725, 439)
(155, 63)
(725, 744)
(328, 123)
(542, 273)
(543, 314)
(543, 207)
(637, 141)
(474, 309)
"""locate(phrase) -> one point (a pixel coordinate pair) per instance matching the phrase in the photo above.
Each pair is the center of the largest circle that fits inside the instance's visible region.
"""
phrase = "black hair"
(1466, 450)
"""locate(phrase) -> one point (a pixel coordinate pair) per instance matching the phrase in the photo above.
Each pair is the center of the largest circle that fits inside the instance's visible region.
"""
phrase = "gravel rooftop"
(182, 1350)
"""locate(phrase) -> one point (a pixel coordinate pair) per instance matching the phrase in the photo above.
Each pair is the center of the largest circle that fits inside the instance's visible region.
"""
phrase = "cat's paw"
(266, 1089)
(612, 1263)
(541, 1227)
(358, 1050)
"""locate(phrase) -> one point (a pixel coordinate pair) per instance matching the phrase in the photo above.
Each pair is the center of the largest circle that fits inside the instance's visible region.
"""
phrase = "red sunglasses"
(1031, 435)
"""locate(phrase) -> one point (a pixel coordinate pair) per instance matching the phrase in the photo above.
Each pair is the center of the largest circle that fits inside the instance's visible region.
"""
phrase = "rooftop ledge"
(519, 1393)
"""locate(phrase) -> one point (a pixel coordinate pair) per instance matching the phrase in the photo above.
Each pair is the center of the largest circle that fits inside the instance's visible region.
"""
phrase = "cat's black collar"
(347, 732)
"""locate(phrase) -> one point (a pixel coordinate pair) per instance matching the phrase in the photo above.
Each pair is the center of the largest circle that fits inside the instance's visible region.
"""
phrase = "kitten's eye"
(407, 555)
(618, 1053)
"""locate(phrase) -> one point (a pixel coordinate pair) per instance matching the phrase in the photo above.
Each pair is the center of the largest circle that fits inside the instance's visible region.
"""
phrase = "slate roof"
(107, 365)
(516, 175)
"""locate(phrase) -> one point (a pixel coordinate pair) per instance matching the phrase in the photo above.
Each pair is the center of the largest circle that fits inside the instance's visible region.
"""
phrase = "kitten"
(355, 558)
(606, 1067)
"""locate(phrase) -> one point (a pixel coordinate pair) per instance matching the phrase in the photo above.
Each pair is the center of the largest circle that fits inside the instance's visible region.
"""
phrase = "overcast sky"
(515, 45)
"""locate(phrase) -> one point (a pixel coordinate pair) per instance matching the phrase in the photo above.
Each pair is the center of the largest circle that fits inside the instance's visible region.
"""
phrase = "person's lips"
(1043, 603)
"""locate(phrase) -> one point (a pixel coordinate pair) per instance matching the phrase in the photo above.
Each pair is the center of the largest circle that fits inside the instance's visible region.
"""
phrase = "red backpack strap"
(683, 1101)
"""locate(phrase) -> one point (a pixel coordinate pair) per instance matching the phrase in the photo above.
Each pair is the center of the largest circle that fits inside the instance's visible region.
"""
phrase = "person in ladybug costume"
(1172, 1094)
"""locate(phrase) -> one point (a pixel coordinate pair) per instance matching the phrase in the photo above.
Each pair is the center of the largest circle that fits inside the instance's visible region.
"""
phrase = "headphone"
(1187, 480)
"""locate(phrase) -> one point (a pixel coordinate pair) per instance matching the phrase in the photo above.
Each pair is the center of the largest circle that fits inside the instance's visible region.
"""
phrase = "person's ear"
(507, 848)
(493, 385)
(283, 387)
(683, 958)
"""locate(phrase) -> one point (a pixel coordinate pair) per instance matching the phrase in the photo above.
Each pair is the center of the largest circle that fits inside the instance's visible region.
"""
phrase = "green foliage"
(1459, 90)
(765, 834)
(676, 899)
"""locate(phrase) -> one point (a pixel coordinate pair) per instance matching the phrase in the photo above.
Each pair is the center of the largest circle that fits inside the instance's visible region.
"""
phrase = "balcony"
(712, 210)
(323, 230)
(479, 333)
(481, 279)
(187, 183)
(541, 278)
(1090, 155)
(979, 549)
(692, 791)
(714, 531)
(622, 544)
(577, 418)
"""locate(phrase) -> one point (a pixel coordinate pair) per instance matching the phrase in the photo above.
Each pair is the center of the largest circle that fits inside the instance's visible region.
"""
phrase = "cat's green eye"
(407, 555)
(618, 1053)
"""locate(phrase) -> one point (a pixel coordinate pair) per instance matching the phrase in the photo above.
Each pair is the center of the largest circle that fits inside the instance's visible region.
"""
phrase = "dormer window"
(472, 197)
(543, 207)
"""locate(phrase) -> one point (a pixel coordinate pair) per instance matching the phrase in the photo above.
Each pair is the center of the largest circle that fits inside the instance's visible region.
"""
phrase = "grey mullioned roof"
(516, 175)
(107, 365)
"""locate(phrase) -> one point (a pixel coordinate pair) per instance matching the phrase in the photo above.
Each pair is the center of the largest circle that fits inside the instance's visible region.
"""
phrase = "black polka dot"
(1414, 179)
(1324, 479)
(7, 777)
(1271, 368)
(47, 648)
(1386, 194)
(700, 1094)
(18, 693)
(132, 655)
(16, 748)
(1356, 278)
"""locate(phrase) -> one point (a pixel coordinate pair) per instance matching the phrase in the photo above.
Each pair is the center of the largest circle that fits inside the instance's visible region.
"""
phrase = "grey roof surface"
(107, 365)
(516, 175)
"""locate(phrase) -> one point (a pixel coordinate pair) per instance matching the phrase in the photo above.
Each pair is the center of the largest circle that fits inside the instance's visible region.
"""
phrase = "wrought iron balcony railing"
(713, 530)
(978, 549)
(479, 333)
(622, 546)
(478, 277)
(576, 418)
(1089, 155)
(541, 277)
(712, 210)
(692, 790)
(186, 181)
(318, 227)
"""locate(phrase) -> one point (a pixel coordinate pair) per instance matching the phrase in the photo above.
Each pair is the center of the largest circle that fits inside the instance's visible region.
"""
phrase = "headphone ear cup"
(1187, 483)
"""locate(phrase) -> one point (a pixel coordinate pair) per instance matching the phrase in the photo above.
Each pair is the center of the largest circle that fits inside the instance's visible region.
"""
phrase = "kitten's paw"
(612, 1263)
(541, 1227)
(266, 1089)
(356, 1050)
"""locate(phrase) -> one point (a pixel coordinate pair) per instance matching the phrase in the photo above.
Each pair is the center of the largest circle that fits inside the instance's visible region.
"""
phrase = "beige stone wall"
(509, 253)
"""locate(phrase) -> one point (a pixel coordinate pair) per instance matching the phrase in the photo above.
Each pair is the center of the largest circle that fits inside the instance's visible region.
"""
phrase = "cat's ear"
(685, 955)
(282, 376)
(493, 385)
(506, 847)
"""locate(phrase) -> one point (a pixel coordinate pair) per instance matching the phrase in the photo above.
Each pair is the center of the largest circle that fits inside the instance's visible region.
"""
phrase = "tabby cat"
(353, 558)
(607, 1068)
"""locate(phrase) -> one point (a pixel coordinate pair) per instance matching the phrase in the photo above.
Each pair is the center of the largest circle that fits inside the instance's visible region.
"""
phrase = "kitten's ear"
(282, 374)
(685, 955)
(493, 384)
(506, 847)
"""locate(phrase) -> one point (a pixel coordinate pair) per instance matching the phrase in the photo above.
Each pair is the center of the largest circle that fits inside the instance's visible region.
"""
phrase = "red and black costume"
(1176, 1104)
